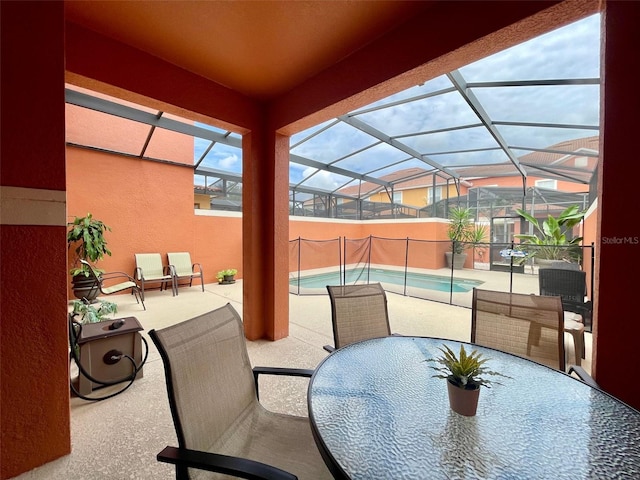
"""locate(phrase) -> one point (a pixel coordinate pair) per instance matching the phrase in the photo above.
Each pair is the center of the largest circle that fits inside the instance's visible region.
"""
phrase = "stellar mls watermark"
(620, 240)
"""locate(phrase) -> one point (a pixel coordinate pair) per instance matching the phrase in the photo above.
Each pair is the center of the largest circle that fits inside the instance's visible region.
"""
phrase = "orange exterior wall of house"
(34, 375)
(516, 181)
(149, 207)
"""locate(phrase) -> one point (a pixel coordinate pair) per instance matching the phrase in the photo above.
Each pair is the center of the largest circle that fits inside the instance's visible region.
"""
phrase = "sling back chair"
(571, 286)
(124, 282)
(220, 424)
(531, 326)
(183, 269)
(149, 269)
(358, 312)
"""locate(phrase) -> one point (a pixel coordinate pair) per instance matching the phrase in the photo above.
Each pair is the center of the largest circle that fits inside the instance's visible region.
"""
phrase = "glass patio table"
(377, 412)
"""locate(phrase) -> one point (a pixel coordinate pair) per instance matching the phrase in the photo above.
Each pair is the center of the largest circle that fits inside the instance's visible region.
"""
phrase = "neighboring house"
(549, 168)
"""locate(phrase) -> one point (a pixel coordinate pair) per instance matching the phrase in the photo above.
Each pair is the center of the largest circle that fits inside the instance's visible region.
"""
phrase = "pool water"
(438, 283)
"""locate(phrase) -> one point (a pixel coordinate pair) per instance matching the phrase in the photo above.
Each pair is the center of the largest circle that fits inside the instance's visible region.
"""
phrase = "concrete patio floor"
(119, 438)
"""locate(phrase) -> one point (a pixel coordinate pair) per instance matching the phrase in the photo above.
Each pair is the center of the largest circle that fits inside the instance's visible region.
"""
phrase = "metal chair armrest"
(213, 462)
(331, 349)
(193, 268)
(117, 275)
(290, 372)
(582, 374)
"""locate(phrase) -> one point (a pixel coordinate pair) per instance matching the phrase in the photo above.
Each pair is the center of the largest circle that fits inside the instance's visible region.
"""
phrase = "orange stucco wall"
(389, 245)
(34, 375)
(149, 207)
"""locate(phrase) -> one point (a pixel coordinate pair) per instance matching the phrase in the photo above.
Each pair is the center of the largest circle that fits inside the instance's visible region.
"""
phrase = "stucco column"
(265, 231)
(34, 363)
(617, 270)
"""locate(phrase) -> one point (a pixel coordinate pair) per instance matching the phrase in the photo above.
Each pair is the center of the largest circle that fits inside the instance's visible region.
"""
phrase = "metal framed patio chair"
(531, 326)
(183, 269)
(213, 395)
(123, 282)
(149, 269)
(571, 286)
(358, 312)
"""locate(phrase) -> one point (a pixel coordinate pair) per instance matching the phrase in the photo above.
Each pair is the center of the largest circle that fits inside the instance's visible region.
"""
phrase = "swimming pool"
(438, 283)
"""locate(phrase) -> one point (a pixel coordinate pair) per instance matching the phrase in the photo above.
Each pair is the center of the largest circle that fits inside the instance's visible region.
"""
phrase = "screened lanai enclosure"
(526, 117)
(516, 130)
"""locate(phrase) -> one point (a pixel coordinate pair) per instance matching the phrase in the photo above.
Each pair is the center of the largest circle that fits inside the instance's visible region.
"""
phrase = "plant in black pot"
(86, 237)
(226, 276)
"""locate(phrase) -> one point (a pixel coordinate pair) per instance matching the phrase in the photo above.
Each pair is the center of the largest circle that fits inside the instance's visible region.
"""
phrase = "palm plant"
(462, 231)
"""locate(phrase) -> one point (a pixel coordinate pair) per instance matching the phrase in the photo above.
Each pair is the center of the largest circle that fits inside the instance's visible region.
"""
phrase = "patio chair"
(183, 269)
(571, 286)
(124, 282)
(149, 269)
(531, 326)
(358, 312)
(213, 395)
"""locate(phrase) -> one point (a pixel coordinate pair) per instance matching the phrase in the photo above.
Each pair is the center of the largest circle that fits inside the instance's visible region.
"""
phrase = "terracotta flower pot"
(464, 402)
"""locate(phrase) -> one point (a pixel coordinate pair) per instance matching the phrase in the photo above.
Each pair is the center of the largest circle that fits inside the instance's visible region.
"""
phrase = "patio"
(119, 437)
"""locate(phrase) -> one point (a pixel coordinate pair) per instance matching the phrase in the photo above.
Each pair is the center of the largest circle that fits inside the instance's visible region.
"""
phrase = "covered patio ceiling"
(522, 112)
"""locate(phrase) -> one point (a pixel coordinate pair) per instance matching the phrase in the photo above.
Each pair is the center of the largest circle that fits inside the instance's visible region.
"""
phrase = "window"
(438, 192)
(581, 162)
(549, 184)
(397, 197)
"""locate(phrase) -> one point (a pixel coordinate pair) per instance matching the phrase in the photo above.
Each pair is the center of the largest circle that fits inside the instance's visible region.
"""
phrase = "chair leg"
(142, 290)
(136, 292)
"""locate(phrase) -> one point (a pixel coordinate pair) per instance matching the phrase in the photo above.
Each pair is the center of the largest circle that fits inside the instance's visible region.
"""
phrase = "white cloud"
(229, 162)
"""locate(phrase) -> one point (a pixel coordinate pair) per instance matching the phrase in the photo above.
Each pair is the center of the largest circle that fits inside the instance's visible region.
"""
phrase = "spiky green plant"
(462, 230)
(465, 370)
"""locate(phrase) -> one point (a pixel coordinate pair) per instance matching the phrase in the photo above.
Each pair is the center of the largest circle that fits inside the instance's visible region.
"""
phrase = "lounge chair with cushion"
(220, 424)
(183, 269)
(149, 269)
(358, 312)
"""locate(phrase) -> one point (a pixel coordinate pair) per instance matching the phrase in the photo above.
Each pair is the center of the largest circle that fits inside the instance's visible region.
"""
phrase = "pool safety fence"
(420, 268)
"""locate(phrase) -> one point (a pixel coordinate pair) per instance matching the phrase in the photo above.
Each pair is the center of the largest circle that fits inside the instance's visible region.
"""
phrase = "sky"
(566, 53)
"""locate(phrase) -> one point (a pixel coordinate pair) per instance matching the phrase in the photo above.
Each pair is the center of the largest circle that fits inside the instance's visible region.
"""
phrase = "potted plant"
(551, 243)
(87, 235)
(463, 233)
(226, 276)
(465, 375)
(92, 314)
